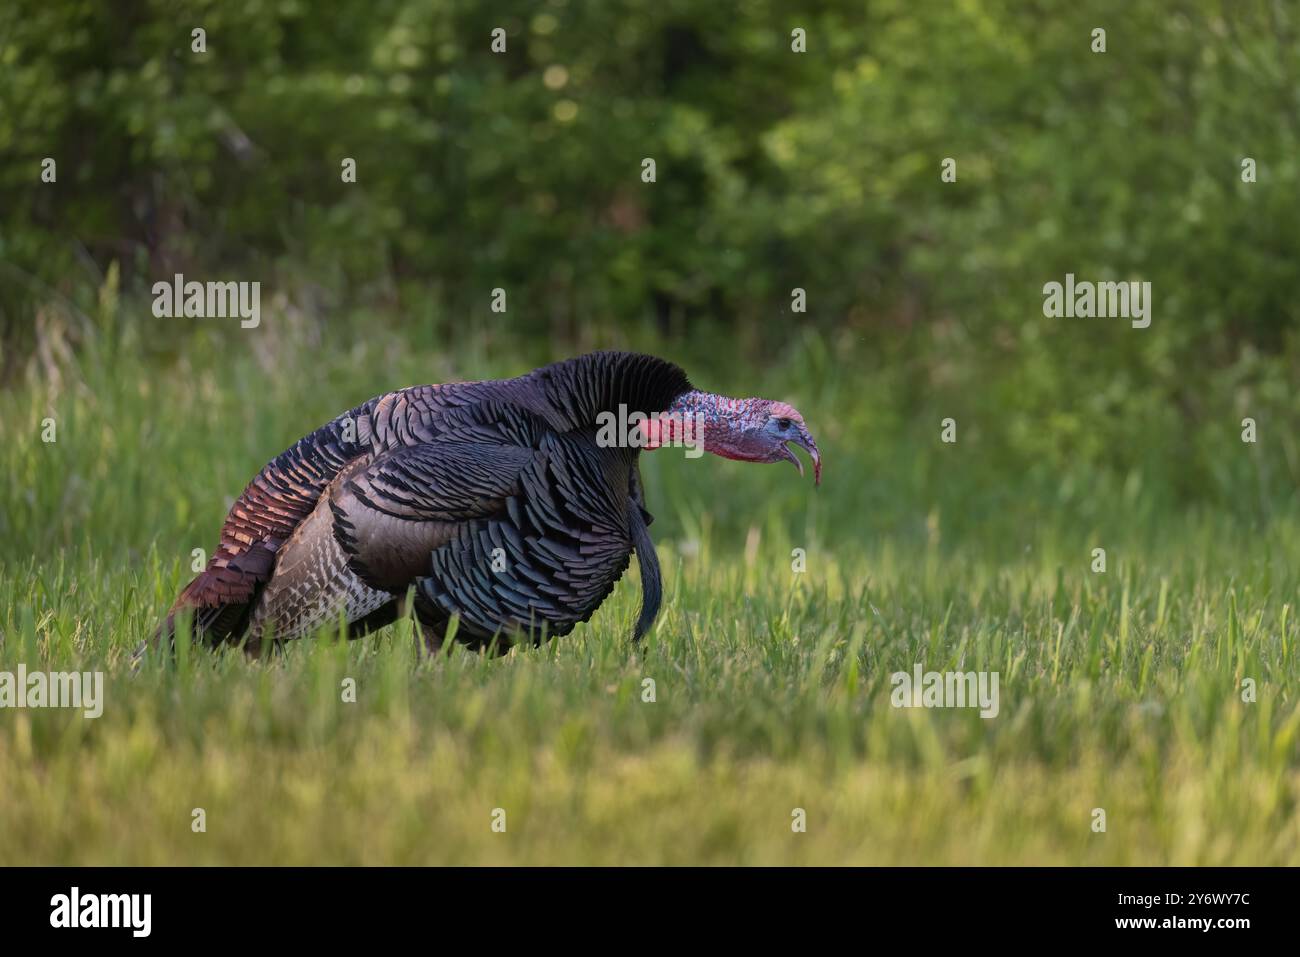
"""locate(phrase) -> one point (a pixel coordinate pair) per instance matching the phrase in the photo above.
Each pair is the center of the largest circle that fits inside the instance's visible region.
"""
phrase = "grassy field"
(1120, 690)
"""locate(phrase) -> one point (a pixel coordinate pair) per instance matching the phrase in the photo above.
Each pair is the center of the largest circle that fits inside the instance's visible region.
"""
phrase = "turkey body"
(489, 502)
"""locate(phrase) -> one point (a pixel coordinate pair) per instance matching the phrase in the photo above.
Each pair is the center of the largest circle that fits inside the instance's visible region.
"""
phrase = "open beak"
(805, 442)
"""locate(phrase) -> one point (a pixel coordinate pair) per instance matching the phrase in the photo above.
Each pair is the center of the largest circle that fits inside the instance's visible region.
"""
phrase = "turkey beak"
(805, 441)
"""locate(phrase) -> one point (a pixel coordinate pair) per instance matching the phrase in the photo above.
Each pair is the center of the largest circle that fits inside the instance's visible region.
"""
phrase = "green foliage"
(776, 170)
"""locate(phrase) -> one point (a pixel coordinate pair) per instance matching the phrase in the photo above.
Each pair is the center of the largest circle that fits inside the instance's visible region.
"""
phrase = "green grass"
(1118, 691)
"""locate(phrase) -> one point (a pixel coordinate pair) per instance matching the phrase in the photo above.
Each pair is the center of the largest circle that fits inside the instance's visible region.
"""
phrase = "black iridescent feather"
(491, 500)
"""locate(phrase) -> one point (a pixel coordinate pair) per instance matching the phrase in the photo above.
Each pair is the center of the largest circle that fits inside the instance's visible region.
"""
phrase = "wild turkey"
(501, 503)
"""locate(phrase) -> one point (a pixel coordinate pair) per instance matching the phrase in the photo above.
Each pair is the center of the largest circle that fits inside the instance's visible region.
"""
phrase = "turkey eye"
(783, 424)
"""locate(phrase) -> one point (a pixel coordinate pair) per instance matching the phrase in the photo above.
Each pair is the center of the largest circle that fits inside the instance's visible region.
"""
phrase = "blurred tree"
(775, 169)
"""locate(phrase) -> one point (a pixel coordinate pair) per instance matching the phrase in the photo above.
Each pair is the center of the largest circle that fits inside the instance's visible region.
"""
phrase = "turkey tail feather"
(218, 612)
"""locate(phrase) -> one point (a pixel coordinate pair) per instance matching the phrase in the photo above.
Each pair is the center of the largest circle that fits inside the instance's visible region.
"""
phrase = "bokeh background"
(775, 171)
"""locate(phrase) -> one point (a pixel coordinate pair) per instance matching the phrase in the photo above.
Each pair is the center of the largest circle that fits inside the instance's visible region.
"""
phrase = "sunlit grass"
(1120, 691)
